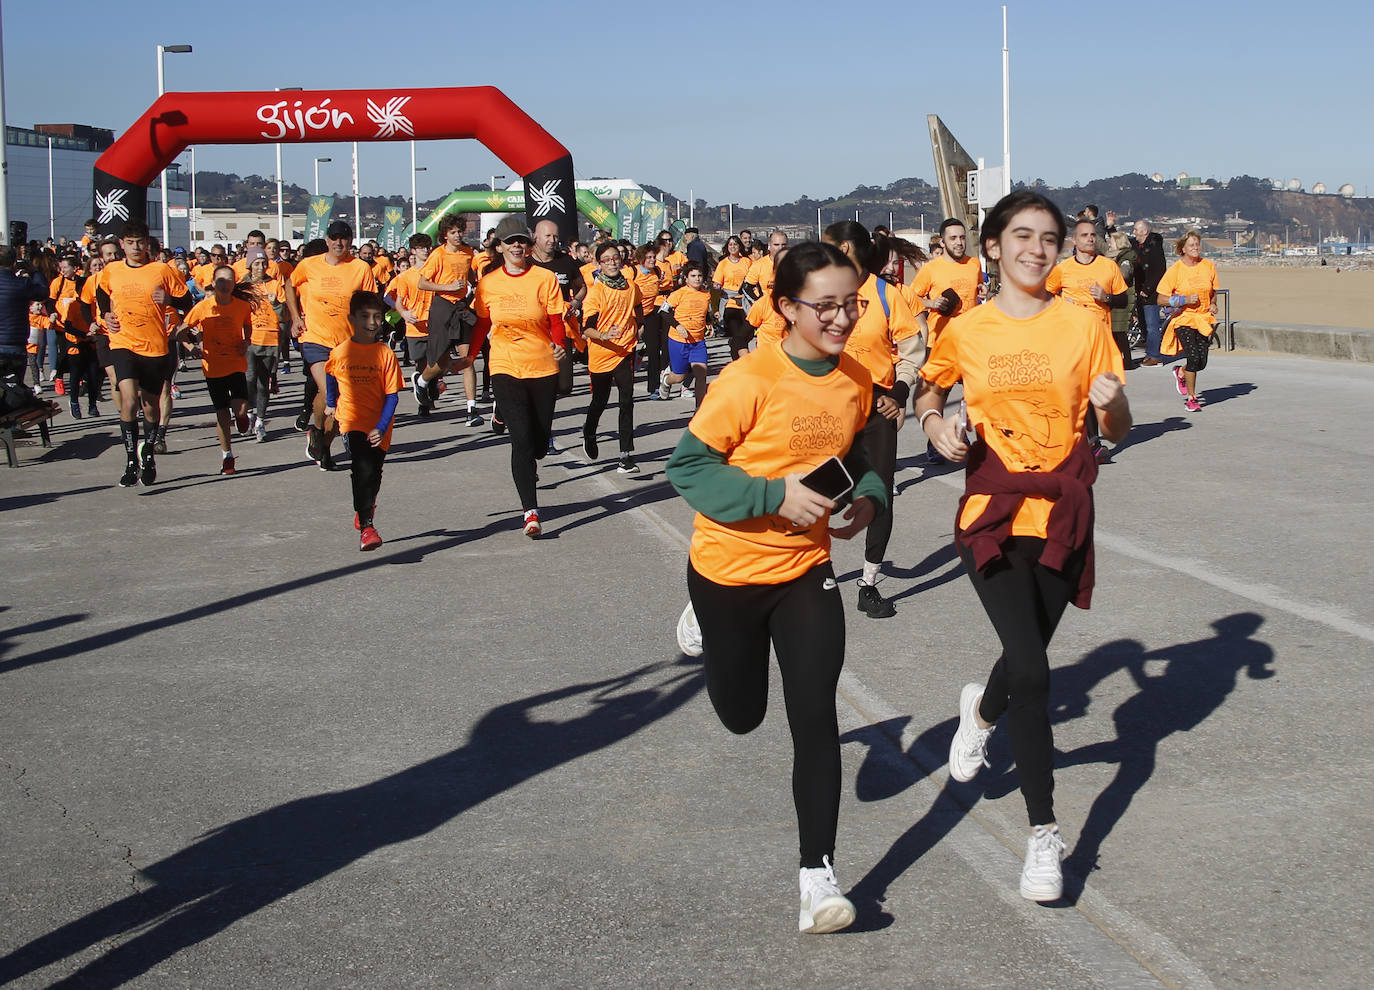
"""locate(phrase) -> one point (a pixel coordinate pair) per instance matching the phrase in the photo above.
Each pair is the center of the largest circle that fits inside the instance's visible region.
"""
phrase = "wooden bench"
(39, 416)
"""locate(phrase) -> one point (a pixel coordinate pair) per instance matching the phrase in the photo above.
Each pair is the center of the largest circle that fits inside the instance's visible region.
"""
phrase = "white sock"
(224, 455)
(471, 404)
(870, 573)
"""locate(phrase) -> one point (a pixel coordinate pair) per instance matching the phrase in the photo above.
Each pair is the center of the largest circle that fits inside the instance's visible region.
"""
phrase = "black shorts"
(222, 390)
(102, 349)
(449, 325)
(418, 348)
(151, 373)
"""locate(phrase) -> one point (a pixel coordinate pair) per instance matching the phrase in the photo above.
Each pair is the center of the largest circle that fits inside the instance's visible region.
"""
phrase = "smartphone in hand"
(829, 478)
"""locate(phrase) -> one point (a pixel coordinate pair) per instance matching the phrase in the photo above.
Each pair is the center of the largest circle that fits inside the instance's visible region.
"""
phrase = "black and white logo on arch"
(111, 205)
(546, 197)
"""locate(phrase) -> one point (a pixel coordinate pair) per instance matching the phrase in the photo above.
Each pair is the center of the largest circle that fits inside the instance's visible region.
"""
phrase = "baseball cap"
(513, 228)
(339, 228)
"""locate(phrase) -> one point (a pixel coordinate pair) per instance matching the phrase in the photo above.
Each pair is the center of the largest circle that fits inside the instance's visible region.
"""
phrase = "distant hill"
(1271, 212)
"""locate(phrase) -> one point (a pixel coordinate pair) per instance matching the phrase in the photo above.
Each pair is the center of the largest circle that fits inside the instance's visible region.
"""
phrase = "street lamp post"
(281, 212)
(357, 207)
(317, 173)
(192, 213)
(414, 216)
(493, 181)
(161, 88)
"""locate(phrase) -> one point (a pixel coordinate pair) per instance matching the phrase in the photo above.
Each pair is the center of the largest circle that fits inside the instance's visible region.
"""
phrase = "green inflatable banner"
(655, 221)
(317, 216)
(629, 215)
(507, 201)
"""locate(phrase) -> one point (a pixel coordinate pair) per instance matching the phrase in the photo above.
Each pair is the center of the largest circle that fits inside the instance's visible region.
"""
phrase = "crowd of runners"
(832, 346)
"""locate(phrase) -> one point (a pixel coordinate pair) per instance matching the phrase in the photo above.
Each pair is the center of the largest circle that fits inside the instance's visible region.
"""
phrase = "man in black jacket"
(1149, 269)
(18, 290)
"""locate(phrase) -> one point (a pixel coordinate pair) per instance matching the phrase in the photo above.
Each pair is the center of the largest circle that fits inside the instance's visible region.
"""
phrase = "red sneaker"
(532, 527)
(227, 465)
(371, 539)
(58, 387)
(1180, 382)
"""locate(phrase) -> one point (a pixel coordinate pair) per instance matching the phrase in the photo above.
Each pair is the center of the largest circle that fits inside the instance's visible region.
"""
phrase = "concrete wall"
(1332, 343)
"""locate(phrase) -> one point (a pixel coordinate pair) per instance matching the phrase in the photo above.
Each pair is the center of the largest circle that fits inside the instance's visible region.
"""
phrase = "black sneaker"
(326, 461)
(475, 418)
(424, 412)
(497, 426)
(147, 465)
(302, 422)
(590, 450)
(130, 477)
(160, 443)
(420, 391)
(92, 410)
(76, 409)
(627, 465)
(873, 604)
(312, 444)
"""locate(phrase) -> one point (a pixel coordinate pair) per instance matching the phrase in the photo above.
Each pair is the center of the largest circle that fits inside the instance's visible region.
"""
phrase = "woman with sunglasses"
(886, 328)
(759, 570)
(520, 307)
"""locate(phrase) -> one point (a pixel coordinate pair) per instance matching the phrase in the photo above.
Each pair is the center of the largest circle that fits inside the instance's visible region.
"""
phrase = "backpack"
(15, 395)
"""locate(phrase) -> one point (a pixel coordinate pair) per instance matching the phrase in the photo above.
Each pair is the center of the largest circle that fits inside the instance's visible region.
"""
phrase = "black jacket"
(1150, 266)
(17, 292)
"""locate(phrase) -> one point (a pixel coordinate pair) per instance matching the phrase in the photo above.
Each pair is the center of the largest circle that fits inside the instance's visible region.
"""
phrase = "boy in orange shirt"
(688, 310)
(223, 323)
(362, 386)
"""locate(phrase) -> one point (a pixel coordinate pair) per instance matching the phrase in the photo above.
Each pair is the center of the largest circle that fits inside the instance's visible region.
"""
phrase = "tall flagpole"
(4, 157)
(1006, 109)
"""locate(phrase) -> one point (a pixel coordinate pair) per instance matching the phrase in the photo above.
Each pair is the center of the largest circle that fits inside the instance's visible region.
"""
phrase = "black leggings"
(739, 329)
(1195, 347)
(879, 437)
(804, 620)
(525, 405)
(1024, 601)
(656, 348)
(365, 464)
(83, 367)
(622, 376)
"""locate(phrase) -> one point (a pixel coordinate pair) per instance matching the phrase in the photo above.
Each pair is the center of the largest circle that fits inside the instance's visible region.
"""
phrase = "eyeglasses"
(827, 311)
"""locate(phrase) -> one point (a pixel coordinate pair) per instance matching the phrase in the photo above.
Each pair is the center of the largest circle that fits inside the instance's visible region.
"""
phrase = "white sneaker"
(969, 747)
(688, 632)
(968, 750)
(823, 907)
(1042, 879)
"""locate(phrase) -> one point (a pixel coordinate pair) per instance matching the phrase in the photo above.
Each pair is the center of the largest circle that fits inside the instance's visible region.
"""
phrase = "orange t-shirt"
(873, 339)
(519, 307)
(691, 306)
(88, 297)
(1190, 280)
(483, 263)
(618, 308)
(266, 326)
(444, 267)
(648, 284)
(761, 274)
(1026, 385)
(588, 272)
(772, 419)
(66, 301)
(325, 290)
(382, 269)
(37, 321)
(142, 322)
(770, 327)
(939, 274)
(404, 288)
(223, 339)
(1074, 281)
(204, 275)
(730, 275)
(367, 374)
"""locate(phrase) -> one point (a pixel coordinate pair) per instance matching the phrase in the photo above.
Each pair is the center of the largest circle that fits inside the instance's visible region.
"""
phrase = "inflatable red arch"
(178, 120)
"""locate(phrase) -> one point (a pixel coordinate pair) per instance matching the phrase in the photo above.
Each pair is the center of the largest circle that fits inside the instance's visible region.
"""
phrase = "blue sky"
(759, 102)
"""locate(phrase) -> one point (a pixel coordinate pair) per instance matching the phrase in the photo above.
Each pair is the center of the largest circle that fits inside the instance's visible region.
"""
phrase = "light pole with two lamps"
(161, 88)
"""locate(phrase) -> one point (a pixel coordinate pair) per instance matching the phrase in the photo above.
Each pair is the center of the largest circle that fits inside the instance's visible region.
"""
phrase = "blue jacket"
(17, 292)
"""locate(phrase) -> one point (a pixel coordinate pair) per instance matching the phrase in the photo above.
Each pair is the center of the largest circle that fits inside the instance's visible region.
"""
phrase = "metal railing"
(1228, 340)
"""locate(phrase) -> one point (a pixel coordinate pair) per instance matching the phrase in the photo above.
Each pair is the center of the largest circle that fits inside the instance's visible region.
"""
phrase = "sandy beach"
(1317, 296)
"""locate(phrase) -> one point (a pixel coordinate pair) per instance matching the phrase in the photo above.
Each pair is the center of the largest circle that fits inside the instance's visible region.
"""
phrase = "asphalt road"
(237, 752)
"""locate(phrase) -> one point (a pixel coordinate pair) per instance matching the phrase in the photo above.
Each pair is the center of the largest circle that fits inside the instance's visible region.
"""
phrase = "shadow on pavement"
(248, 864)
(1195, 682)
